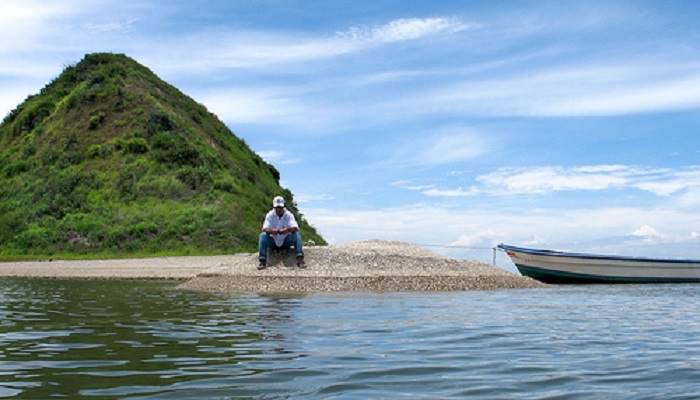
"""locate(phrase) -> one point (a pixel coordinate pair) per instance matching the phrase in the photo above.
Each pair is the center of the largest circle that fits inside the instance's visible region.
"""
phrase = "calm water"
(71, 339)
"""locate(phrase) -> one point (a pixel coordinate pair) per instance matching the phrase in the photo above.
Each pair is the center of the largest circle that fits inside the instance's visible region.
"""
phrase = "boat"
(551, 266)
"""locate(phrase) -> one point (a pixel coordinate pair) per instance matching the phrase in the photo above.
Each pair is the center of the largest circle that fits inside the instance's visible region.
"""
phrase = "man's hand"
(281, 231)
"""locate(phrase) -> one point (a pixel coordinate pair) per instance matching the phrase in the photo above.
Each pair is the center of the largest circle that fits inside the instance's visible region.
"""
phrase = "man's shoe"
(300, 262)
(262, 264)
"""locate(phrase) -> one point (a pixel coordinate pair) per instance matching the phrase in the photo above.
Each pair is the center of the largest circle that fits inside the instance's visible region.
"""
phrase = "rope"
(493, 259)
(453, 246)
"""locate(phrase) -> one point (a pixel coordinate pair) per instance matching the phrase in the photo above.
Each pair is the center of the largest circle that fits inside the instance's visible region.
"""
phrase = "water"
(141, 340)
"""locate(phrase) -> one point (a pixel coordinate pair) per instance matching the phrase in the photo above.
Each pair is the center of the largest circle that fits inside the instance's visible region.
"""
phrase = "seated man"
(280, 230)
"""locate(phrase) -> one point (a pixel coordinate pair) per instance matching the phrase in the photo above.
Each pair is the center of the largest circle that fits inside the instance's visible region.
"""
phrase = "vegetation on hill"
(108, 160)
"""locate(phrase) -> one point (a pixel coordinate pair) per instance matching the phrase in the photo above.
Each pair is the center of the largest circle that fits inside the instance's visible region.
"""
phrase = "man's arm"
(288, 230)
(291, 223)
(282, 231)
(267, 225)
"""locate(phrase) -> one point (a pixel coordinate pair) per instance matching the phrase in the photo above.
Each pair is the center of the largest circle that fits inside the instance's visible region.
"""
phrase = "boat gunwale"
(585, 256)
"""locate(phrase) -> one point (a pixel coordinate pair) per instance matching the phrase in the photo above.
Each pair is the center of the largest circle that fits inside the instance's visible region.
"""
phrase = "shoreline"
(374, 265)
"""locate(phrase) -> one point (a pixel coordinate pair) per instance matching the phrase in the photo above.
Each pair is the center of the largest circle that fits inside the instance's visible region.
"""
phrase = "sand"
(377, 266)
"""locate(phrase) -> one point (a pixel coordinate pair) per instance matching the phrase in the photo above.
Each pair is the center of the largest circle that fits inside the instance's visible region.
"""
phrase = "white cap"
(278, 201)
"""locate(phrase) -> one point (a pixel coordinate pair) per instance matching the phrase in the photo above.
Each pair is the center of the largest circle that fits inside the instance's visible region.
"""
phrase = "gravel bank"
(167, 268)
(359, 266)
(377, 266)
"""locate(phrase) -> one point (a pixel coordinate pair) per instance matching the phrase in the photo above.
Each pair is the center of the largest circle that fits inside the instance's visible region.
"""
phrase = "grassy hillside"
(108, 160)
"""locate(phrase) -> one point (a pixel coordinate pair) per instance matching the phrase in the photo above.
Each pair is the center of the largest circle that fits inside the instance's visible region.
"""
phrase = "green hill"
(108, 160)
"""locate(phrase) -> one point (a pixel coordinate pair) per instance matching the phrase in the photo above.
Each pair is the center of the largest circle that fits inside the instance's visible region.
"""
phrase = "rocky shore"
(374, 265)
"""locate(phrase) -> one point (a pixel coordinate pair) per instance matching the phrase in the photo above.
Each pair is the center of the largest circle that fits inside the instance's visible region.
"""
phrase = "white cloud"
(665, 188)
(404, 29)
(247, 106)
(266, 106)
(445, 146)
(304, 198)
(676, 93)
(24, 22)
(689, 199)
(278, 157)
(459, 192)
(646, 234)
(409, 185)
(264, 50)
(628, 87)
(221, 49)
(647, 231)
(550, 179)
(484, 238)
(121, 27)
(535, 241)
(673, 181)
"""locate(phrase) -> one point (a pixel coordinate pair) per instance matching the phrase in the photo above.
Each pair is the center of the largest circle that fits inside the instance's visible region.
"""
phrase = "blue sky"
(569, 125)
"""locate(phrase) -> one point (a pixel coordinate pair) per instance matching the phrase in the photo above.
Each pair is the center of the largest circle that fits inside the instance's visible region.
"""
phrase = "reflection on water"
(123, 338)
(98, 339)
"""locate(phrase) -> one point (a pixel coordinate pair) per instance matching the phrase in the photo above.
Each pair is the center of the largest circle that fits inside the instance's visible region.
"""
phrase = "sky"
(569, 125)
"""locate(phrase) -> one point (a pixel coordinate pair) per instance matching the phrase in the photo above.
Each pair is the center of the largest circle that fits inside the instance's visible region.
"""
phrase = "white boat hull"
(562, 267)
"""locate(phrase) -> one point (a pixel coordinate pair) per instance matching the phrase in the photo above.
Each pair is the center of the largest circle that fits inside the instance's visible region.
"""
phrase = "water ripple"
(146, 341)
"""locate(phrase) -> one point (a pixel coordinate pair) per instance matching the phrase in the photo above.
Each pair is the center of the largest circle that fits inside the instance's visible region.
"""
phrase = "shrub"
(174, 149)
(137, 146)
(68, 158)
(161, 187)
(125, 184)
(15, 168)
(162, 141)
(159, 121)
(32, 115)
(226, 185)
(81, 231)
(195, 178)
(119, 144)
(94, 151)
(117, 236)
(35, 236)
(143, 229)
(96, 120)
